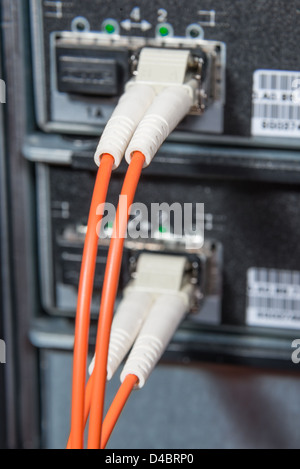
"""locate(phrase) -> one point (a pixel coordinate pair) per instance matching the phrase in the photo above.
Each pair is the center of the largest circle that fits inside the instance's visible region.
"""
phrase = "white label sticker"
(276, 103)
(273, 298)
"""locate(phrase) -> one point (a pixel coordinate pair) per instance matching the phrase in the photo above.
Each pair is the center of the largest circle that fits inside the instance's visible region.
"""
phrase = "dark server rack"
(21, 402)
(235, 361)
(5, 298)
(2, 205)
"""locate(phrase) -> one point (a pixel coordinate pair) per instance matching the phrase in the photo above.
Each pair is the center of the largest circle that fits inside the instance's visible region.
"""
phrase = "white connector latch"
(167, 71)
(162, 67)
(159, 274)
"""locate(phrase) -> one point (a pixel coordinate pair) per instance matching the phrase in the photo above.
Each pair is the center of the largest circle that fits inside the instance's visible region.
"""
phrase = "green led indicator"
(109, 28)
(162, 229)
(109, 225)
(163, 31)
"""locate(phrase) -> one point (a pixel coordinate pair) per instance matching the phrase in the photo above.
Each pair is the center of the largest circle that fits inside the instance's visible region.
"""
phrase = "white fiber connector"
(167, 278)
(156, 275)
(155, 335)
(167, 72)
(159, 273)
(165, 113)
(162, 67)
(128, 113)
(126, 325)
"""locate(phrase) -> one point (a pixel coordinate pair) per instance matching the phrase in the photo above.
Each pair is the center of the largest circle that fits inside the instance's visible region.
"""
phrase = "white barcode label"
(276, 103)
(273, 298)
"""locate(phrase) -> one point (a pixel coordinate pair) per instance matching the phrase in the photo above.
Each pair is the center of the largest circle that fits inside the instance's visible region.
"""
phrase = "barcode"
(261, 275)
(273, 298)
(276, 103)
(277, 81)
(276, 111)
(275, 306)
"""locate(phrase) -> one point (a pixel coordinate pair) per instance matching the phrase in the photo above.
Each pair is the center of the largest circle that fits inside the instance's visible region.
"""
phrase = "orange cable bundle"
(116, 408)
(84, 303)
(109, 293)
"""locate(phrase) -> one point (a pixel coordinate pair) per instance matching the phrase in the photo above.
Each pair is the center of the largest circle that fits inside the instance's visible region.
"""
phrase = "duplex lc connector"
(163, 91)
(170, 73)
(160, 294)
(169, 279)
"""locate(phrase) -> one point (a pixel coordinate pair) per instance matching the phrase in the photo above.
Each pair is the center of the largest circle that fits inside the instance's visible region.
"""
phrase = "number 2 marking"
(162, 15)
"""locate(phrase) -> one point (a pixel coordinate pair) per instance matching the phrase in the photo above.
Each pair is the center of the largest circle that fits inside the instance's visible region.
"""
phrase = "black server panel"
(239, 155)
(83, 56)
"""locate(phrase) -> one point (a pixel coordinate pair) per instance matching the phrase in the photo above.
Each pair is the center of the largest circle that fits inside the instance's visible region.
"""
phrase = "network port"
(89, 72)
(203, 268)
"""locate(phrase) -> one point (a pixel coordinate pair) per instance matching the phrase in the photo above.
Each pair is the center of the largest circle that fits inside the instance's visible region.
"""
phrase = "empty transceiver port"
(91, 71)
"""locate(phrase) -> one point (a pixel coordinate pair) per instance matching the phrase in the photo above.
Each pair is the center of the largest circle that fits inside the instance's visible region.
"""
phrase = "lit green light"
(162, 229)
(109, 28)
(109, 225)
(163, 31)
